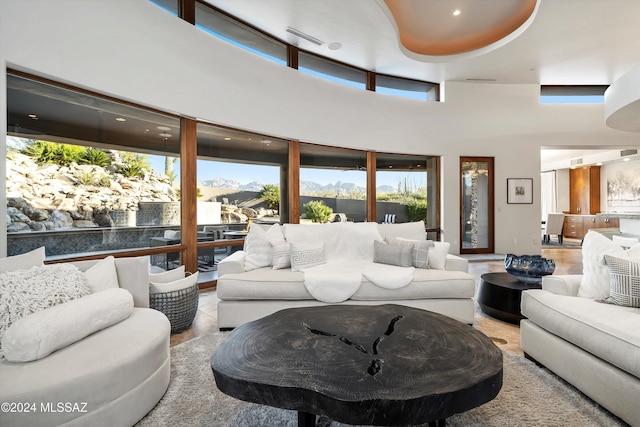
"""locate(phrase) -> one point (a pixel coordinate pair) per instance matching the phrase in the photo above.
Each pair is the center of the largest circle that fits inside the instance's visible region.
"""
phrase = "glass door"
(476, 205)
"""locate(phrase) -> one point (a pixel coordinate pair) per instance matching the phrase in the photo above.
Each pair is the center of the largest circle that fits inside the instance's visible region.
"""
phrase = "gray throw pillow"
(420, 253)
(400, 255)
(625, 281)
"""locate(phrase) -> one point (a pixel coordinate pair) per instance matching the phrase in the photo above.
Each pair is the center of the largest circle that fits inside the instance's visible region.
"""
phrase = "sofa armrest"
(234, 263)
(456, 263)
(562, 284)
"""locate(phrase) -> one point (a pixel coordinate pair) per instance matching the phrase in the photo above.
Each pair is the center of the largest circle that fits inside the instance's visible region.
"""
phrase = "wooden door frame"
(490, 206)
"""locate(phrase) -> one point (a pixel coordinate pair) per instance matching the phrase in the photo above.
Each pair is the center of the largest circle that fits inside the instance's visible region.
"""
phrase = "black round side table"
(499, 296)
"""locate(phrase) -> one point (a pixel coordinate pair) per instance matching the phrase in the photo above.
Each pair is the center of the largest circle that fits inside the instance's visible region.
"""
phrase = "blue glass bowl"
(528, 268)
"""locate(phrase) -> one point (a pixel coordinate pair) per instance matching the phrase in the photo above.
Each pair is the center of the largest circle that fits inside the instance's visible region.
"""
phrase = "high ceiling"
(566, 42)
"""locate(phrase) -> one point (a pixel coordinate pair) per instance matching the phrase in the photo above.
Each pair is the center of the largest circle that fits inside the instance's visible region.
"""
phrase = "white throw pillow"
(354, 241)
(176, 285)
(595, 274)
(281, 255)
(307, 254)
(257, 246)
(103, 275)
(35, 258)
(407, 230)
(438, 255)
(167, 276)
(625, 281)
(23, 292)
(420, 255)
(40, 334)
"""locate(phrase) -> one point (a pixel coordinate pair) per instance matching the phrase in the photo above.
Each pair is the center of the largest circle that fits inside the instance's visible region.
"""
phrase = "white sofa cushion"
(103, 275)
(258, 246)
(406, 230)
(168, 276)
(342, 240)
(438, 255)
(41, 333)
(607, 331)
(269, 284)
(174, 286)
(595, 278)
(34, 258)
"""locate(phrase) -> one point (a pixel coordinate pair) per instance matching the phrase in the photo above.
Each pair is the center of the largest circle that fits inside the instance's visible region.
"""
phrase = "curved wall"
(134, 51)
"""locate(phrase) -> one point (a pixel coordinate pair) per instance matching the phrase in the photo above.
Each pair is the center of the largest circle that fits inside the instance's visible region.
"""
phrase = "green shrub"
(271, 195)
(86, 178)
(131, 170)
(52, 152)
(417, 210)
(317, 211)
(104, 181)
(94, 156)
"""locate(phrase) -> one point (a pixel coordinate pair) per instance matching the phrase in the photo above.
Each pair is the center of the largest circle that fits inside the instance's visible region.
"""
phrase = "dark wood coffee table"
(369, 365)
(499, 296)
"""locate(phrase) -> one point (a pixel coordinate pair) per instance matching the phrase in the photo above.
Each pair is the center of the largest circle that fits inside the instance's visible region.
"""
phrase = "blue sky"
(242, 173)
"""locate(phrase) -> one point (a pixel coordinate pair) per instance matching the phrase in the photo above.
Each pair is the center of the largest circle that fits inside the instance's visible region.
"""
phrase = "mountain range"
(305, 186)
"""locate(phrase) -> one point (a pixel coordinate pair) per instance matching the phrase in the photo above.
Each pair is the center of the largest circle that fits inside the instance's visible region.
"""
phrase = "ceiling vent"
(576, 162)
(628, 152)
(305, 36)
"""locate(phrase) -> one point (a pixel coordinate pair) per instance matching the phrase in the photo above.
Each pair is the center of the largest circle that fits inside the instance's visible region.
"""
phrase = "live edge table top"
(372, 365)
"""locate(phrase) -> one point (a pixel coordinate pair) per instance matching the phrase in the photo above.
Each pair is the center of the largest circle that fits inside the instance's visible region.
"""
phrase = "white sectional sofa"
(591, 344)
(250, 293)
(112, 377)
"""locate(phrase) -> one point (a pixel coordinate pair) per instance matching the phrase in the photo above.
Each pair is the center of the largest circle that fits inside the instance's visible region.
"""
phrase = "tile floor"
(506, 335)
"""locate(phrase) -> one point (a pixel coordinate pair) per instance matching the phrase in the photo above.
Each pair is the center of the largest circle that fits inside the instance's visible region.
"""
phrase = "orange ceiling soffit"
(428, 27)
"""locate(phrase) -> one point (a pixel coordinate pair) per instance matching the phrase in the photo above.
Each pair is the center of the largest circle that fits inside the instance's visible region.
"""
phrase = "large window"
(86, 174)
(230, 30)
(407, 190)
(572, 94)
(89, 175)
(243, 35)
(241, 179)
(335, 177)
(406, 88)
(330, 70)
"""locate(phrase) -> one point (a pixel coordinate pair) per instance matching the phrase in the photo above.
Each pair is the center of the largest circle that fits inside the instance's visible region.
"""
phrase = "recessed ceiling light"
(334, 46)
(626, 159)
(33, 117)
(120, 119)
(163, 128)
(227, 139)
(165, 135)
(456, 12)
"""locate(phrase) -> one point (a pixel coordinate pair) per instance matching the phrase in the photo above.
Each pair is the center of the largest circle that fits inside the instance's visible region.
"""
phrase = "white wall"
(133, 50)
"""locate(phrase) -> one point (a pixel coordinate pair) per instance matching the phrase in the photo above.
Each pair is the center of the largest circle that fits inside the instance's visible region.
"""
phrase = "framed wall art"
(519, 190)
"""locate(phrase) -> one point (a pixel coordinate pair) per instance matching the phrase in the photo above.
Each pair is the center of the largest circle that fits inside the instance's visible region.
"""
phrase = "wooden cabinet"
(584, 190)
(576, 226)
(573, 226)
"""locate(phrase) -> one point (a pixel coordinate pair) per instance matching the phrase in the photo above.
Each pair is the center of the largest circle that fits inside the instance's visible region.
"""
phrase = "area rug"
(530, 396)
